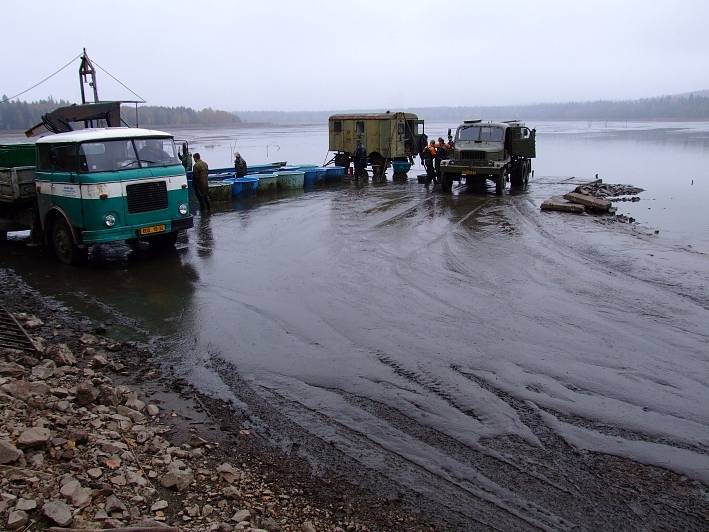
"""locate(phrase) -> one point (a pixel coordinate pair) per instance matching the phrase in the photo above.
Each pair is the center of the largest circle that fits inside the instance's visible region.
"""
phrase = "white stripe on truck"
(112, 189)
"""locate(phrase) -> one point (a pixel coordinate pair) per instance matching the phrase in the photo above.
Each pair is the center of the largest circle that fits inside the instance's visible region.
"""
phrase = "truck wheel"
(165, 241)
(63, 244)
(446, 183)
(500, 184)
(517, 175)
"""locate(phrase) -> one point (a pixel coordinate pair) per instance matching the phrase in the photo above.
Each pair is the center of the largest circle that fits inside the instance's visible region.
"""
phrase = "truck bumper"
(128, 232)
(472, 171)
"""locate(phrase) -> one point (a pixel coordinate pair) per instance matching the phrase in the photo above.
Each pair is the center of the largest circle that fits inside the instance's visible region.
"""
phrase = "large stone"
(228, 472)
(61, 354)
(33, 322)
(308, 527)
(86, 393)
(12, 369)
(152, 410)
(16, 519)
(18, 389)
(26, 504)
(8, 452)
(179, 479)
(158, 505)
(44, 370)
(34, 437)
(241, 515)
(114, 504)
(58, 512)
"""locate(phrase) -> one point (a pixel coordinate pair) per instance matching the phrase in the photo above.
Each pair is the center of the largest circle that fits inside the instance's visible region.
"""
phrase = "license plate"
(468, 172)
(152, 229)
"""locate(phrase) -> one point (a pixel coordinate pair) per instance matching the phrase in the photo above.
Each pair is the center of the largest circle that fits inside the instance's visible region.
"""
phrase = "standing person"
(440, 155)
(185, 157)
(200, 181)
(431, 157)
(360, 161)
(240, 168)
(427, 160)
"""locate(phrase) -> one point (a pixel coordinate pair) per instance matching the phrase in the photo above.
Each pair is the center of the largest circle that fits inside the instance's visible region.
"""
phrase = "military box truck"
(492, 151)
(388, 138)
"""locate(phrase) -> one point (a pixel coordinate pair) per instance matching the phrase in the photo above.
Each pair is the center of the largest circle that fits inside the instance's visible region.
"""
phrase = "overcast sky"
(373, 54)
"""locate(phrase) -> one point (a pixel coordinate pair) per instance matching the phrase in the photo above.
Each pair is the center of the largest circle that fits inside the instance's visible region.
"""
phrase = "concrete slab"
(598, 204)
(557, 203)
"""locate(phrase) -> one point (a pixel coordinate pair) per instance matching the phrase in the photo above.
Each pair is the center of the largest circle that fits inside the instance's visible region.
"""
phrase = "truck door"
(64, 189)
(337, 137)
(522, 142)
(386, 137)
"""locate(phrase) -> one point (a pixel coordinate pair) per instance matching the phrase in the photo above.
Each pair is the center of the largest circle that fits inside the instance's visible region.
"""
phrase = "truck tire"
(164, 241)
(63, 245)
(446, 183)
(517, 175)
(500, 184)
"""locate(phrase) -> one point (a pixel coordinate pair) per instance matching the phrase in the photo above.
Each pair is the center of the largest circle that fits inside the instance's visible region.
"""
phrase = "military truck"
(490, 150)
(389, 138)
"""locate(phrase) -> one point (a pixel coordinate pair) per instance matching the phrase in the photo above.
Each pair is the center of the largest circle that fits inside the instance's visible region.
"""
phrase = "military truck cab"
(497, 151)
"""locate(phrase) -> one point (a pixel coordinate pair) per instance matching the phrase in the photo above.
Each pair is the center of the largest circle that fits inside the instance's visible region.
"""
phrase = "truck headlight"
(182, 209)
(109, 219)
(451, 161)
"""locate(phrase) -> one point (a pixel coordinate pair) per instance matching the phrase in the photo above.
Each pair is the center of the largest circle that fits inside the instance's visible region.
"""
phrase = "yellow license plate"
(468, 172)
(152, 229)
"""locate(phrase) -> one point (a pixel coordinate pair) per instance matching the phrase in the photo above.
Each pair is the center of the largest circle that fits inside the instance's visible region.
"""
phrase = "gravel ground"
(92, 436)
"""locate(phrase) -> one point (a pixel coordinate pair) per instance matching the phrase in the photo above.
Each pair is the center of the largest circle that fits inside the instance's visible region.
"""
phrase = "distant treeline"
(23, 115)
(684, 108)
(150, 115)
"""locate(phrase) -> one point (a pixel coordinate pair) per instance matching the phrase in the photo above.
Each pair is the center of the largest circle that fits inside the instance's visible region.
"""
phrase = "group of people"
(432, 155)
(200, 175)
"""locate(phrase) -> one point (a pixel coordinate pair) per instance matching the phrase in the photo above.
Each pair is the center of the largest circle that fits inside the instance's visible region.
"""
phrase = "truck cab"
(107, 184)
(490, 150)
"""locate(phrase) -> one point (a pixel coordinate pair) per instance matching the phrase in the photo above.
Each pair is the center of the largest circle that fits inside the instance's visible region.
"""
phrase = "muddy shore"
(94, 436)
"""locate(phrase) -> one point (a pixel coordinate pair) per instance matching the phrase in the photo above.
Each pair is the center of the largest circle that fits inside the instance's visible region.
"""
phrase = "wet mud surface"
(465, 356)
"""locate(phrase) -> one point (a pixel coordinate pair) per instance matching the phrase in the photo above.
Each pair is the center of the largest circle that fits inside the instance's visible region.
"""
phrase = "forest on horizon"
(20, 115)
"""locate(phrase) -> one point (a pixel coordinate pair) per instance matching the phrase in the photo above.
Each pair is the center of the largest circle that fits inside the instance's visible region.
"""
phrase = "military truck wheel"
(517, 175)
(164, 241)
(446, 183)
(63, 245)
(500, 184)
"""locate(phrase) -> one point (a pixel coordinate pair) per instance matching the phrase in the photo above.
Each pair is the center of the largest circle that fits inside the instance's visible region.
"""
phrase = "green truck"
(93, 186)
(490, 151)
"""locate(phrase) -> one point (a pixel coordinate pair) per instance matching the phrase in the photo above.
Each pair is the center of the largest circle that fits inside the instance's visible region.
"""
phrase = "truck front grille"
(472, 155)
(143, 197)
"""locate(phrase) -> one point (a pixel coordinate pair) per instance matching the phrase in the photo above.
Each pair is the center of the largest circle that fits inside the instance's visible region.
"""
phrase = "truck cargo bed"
(17, 183)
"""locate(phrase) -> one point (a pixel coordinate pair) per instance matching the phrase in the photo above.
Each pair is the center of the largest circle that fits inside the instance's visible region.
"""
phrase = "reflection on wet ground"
(452, 344)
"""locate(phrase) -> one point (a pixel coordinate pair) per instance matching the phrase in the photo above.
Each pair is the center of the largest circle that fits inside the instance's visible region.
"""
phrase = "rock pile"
(78, 450)
(595, 197)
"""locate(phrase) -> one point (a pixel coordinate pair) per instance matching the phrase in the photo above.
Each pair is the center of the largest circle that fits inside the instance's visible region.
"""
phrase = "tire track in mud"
(587, 259)
(483, 495)
(296, 428)
(599, 477)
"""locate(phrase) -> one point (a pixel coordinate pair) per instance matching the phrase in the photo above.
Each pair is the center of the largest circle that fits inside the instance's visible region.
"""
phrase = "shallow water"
(361, 312)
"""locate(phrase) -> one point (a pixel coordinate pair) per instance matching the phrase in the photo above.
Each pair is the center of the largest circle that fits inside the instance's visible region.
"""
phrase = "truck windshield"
(110, 155)
(481, 133)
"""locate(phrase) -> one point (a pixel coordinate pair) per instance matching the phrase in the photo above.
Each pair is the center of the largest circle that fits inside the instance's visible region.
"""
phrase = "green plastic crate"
(12, 155)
